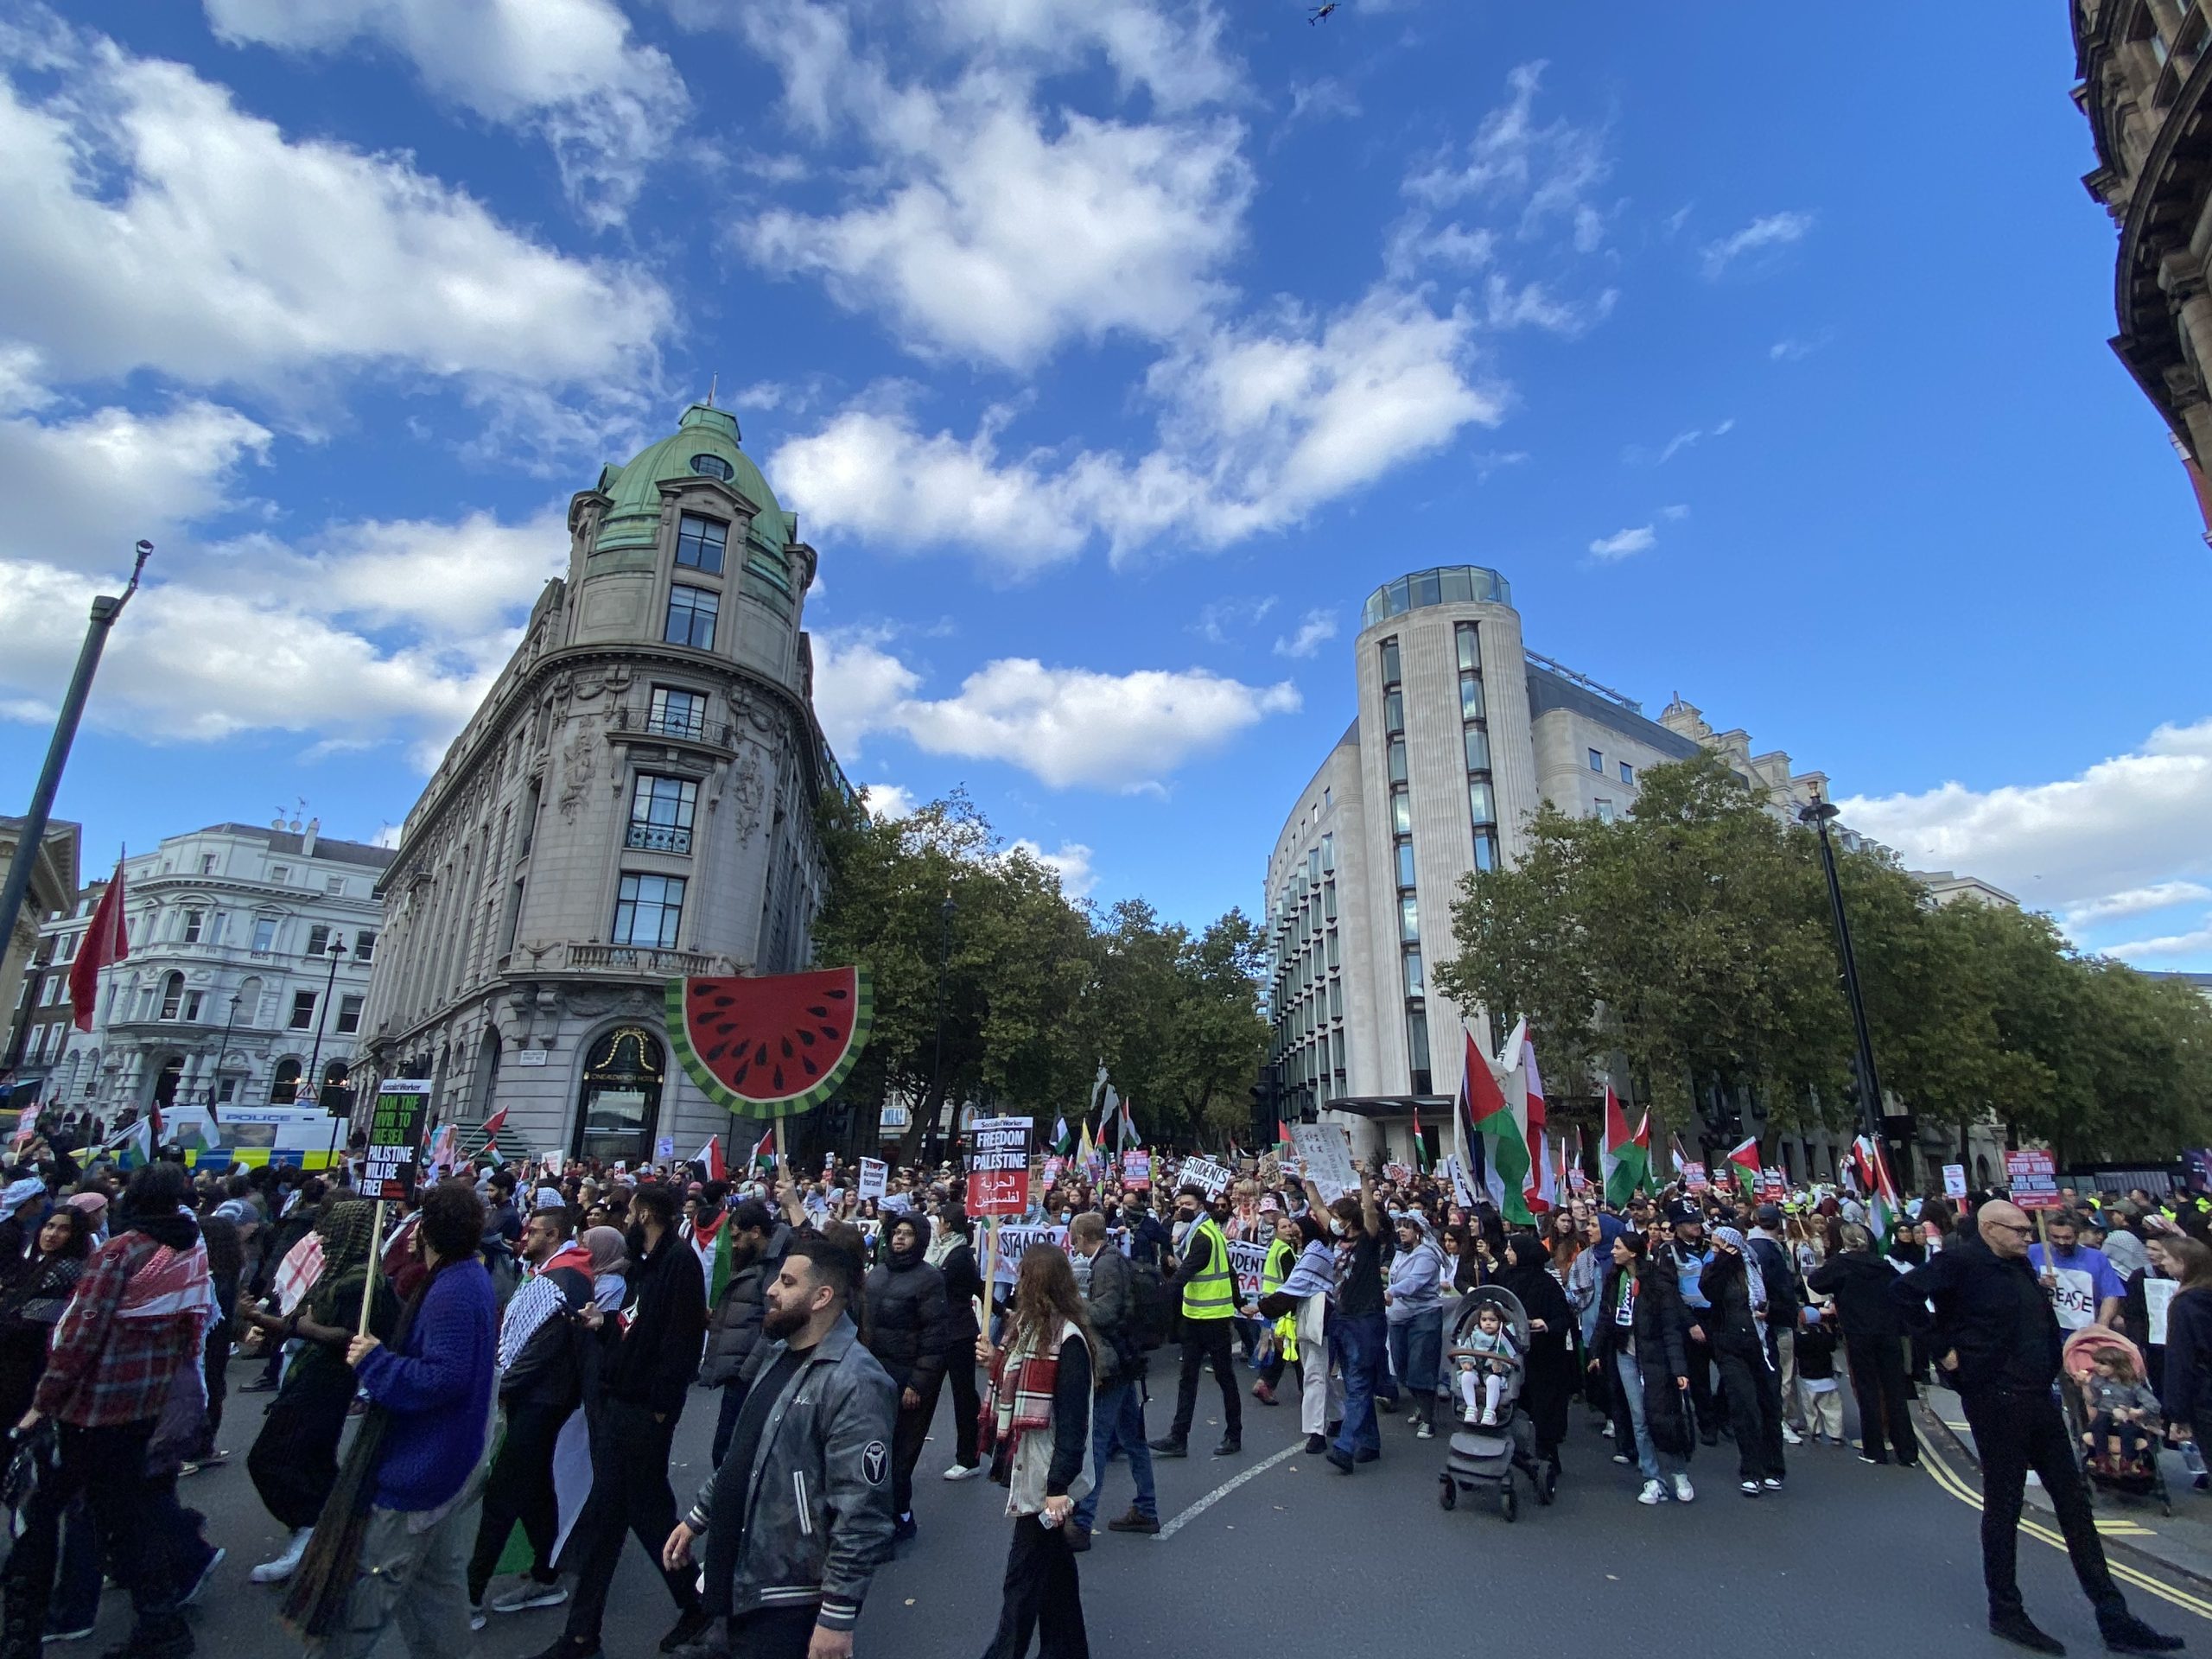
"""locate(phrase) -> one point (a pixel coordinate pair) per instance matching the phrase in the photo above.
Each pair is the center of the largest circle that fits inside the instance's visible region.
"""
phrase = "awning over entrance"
(1435, 1107)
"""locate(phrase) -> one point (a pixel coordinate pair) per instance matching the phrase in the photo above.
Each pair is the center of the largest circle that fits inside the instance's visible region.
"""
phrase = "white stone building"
(634, 801)
(232, 990)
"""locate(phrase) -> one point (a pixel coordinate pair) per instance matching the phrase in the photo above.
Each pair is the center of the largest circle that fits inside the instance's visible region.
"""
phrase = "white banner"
(874, 1176)
(1327, 1157)
(1206, 1174)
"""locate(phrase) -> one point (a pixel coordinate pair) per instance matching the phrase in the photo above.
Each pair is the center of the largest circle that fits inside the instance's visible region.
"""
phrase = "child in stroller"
(1485, 1358)
(2124, 1413)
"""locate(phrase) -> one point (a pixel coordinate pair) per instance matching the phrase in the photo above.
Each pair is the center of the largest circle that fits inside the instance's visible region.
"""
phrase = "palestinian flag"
(1283, 1136)
(1543, 1179)
(1745, 1161)
(1422, 1161)
(1677, 1152)
(764, 1153)
(1126, 1136)
(710, 1158)
(1063, 1142)
(1626, 1158)
(718, 1265)
(1486, 1120)
(1883, 1204)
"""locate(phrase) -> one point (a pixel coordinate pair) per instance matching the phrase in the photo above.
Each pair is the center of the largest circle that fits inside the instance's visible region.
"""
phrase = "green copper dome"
(705, 435)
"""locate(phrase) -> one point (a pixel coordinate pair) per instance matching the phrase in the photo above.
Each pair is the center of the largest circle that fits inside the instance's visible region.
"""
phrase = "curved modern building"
(2143, 77)
(634, 801)
(1461, 732)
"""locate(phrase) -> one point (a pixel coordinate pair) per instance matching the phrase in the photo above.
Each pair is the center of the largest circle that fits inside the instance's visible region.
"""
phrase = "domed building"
(634, 801)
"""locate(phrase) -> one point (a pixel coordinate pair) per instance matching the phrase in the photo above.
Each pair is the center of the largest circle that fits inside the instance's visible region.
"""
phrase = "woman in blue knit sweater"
(436, 1386)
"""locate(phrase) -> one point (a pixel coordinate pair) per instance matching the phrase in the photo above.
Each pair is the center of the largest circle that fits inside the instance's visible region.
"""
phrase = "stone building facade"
(635, 800)
(2143, 74)
(231, 991)
(53, 889)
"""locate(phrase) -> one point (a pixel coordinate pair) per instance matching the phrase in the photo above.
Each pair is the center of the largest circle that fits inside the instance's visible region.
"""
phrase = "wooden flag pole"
(376, 1263)
(990, 1267)
(783, 1157)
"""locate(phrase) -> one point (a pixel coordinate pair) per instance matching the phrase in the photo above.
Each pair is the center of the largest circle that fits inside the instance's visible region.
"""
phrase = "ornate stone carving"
(579, 762)
(749, 794)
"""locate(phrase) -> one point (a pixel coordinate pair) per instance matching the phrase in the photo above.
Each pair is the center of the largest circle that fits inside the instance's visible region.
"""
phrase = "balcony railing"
(693, 728)
(668, 723)
(658, 838)
(642, 960)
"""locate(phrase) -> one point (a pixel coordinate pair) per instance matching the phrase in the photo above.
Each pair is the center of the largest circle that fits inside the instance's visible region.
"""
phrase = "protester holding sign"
(2080, 1283)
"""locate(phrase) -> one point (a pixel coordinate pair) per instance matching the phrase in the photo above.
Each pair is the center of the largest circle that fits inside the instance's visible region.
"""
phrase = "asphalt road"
(1303, 1559)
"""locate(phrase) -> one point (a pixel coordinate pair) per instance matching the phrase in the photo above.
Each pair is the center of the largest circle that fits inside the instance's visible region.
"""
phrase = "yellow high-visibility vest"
(1212, 1293)
(1272, 1272)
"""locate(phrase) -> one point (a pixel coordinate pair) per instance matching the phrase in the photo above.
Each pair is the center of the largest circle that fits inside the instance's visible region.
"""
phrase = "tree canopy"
(1037, 990)
(1688, 951)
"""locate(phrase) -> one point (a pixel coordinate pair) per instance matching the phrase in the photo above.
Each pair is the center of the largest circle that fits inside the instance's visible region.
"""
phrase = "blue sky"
(1110, 353)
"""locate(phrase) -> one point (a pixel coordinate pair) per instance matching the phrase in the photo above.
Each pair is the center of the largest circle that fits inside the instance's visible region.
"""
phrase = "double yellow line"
(1946, 1478)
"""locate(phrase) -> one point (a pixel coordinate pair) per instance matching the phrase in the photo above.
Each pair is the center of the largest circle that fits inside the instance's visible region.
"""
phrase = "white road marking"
(1172, 1528)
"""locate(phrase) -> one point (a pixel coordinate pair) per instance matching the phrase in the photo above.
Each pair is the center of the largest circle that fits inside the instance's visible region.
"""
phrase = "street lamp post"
(1819, 814)
(936, 1065)
(337, 954)
(223, 1054)
(105, 609)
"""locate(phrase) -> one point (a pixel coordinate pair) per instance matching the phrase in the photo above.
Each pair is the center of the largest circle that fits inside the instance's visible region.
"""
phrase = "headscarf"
(17, 1193)
(1753, 1278)
(43, 1291)
(610, 1266)
(1524, 1270)
(344, 1227)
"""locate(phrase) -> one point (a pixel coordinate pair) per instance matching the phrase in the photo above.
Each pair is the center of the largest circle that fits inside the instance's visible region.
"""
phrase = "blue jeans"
(1416, 1345)
(1357, 1346)
(1117, 1419)
(1631, 1375)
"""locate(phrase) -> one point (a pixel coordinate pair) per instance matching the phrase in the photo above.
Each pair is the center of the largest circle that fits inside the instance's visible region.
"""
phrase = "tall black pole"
(936, 1065)
(323, 1014)
(105, 609)
(223, 1054)
(1870, 1083)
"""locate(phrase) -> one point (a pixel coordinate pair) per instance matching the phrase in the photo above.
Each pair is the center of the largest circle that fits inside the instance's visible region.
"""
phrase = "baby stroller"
(1485, 1458)
(2107, 1470)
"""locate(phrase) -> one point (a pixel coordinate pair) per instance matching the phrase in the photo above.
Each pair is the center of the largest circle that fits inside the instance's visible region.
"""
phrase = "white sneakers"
(285, 1565)
(1791, 1437)
(1653, 1492)
(1683, 1493)
(964, 1471)
(1423, 1432)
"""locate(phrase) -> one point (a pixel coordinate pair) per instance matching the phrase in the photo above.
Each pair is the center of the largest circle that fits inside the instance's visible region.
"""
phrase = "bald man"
(1996, 1342)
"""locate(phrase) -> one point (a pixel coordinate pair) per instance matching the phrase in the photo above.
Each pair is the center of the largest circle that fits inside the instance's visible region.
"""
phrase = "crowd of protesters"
(475, 1396)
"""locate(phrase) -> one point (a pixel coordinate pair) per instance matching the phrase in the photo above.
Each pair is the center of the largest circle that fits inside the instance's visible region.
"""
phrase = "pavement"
(1277, 1548)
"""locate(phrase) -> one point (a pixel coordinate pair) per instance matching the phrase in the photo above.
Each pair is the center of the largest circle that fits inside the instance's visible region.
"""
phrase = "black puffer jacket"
(1729, 1325)
(733, 1326)
(1864, 1287)
(906, 1319)
(1656, 1333)
(963, 1282)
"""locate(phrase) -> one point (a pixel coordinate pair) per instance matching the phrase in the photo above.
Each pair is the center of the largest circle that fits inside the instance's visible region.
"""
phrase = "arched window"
(172, 995)
(250, 999)
(336, 1072)
(91, 1072)
(284, 1087)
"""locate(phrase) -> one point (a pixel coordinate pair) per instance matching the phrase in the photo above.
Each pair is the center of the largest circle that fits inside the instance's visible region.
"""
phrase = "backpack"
(1153, 1309)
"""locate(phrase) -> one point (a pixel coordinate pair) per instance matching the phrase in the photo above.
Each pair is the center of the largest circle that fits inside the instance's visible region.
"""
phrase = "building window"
(1477, 746)
(1605, 811)
(1417, 1047)
(700, 544)
(1329, 855)
(192, 1001)
(1408, 918)
(333, 884)
(302, 1017)
(1628, 772)
(1482, 804)
(208, 861)
(1335, 961)
(1394, 711)
(280, 874)
(1401, 812)
(365, 945)
(69, 944)
(1486, 849)
(1471, 648)
(712, 466)
(691, 613)
(660, 813)
(1597, 762)
(1390, 674)
(349, 1015)
(285, 1083)
(1336, 999)
(647, 911)
(1398, 759)
(1414, 987)
(1313, 867)
(677, 714)
(226, 1091)
(172, 996)
(264, 933)
(318, 940)
(1471, 704)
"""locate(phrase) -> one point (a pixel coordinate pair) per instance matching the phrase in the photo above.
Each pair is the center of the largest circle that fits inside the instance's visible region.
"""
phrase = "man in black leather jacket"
(1996, 1342)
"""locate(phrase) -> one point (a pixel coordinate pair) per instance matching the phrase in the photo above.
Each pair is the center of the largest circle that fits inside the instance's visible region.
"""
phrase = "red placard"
(2033, 1177)
(998, 1167)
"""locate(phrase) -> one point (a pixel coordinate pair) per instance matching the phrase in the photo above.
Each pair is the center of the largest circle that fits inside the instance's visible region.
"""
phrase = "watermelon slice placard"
(770, 1044)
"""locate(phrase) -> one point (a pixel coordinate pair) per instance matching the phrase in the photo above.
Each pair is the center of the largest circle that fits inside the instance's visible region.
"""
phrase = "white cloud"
(566, 69)
(154, 225)
(1318, 628)
(1071, 864)
(1322, 98)
(1549, 168)
(1172, 51)
(888, 801)
(1625, 544)
(2135, 901)
(1674, 512)
(2124, 826)
(1065, 726)
(2196, 942)
(1259, 427)
(1218, 618)
(1761, 235)
(1795, 350)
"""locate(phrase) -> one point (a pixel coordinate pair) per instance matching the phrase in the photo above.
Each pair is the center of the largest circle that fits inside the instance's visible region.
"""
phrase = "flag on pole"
(1063, 1142)
(1626, 1158)
(445, 1149)
(764, 1153)
(106, 942)
(1543, 1178)
(1488, 1123)
(1675, 1151)
(1745, 1160)
(1282, 1136)
(1130, 1137)
(1883, 1204)
(1422, 1161)
(490, 1127)
(1570, 1155)
(711, 1156)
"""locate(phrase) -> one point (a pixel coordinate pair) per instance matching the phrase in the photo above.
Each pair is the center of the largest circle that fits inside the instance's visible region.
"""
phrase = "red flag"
(107, 941)
(711, 1156)
(766, 1151)
(492, 1126)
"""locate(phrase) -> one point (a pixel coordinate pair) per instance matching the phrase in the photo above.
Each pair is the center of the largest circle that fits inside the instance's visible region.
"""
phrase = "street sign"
(396, 1137)
(998, 1167)
(2033, 1177)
